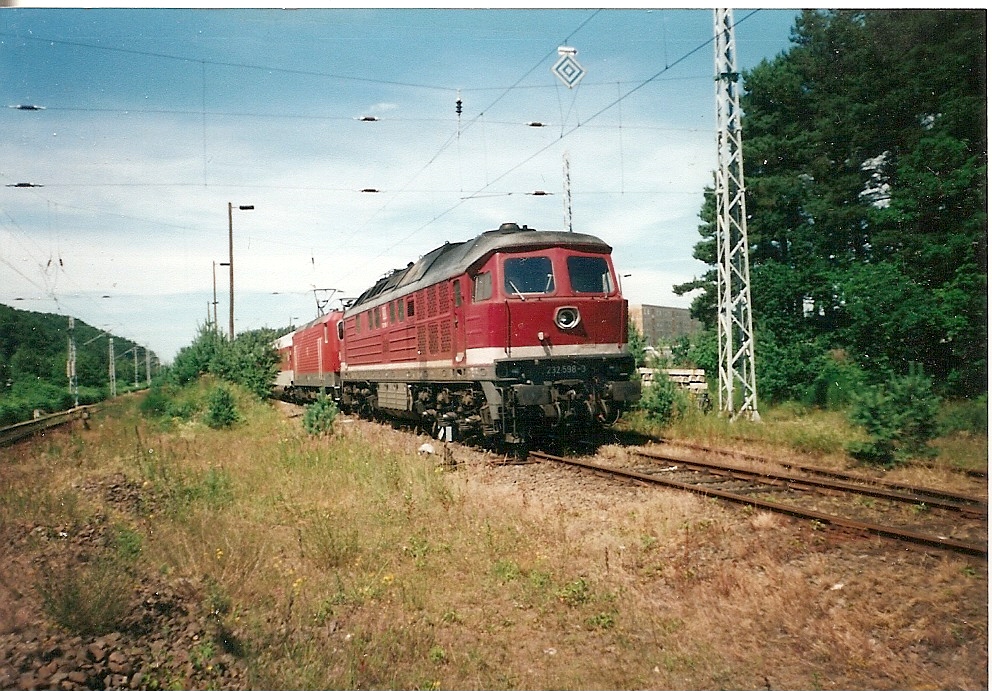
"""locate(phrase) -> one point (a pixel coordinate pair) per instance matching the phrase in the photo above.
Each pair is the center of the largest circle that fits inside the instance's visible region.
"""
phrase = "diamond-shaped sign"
(568, 68)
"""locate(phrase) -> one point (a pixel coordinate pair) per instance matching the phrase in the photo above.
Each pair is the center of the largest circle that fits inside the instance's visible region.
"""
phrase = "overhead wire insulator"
(458, 112)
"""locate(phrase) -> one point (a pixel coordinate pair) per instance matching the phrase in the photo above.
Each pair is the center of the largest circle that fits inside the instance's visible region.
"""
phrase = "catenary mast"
(735, 332)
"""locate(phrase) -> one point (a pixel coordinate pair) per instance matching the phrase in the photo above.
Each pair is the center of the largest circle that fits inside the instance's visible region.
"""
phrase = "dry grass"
(352, 561)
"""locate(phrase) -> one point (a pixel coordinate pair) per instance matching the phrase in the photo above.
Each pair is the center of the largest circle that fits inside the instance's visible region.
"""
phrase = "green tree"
(866, 167)
(195, 359)
(250, 361)
(664, 401)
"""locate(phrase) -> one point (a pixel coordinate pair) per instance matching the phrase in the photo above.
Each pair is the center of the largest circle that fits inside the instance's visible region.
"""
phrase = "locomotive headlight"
(567, 317)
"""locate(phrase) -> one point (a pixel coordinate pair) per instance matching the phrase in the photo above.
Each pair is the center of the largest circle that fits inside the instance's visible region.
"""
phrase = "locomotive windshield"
(528, 275)
(589, 275)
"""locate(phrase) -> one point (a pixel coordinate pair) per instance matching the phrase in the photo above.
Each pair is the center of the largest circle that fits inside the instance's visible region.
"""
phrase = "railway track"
(847, 503)
(970, 472)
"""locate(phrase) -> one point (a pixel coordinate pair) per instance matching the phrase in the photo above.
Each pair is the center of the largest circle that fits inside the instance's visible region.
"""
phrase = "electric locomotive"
(510, 336)
(310, 360)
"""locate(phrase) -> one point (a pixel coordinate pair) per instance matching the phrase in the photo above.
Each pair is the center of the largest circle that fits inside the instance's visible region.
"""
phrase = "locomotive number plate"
(557, 370)
(564, 370)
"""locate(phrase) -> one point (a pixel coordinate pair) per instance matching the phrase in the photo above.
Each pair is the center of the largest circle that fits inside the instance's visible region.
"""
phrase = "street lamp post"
(230, 248)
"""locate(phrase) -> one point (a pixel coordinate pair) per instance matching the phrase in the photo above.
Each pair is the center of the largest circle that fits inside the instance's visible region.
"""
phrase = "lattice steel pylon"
(735, 331)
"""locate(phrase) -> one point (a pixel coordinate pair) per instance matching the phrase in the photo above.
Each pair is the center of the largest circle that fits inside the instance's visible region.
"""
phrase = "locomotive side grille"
(431, 301)
(422, 339)
(443, 299)
(432, 338)
(418, 303)
(446, 336)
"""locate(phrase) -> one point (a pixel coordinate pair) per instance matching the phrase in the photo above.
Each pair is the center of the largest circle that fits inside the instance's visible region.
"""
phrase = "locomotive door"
(458, 323)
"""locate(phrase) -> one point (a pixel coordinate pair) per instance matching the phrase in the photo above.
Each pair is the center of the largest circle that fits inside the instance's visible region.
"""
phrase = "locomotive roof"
(455, 258)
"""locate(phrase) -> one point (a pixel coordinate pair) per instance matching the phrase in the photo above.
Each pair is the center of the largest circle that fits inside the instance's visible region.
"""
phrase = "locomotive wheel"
(610, 416)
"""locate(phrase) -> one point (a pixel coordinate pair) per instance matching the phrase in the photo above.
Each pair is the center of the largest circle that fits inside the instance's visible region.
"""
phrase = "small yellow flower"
(388, 578)
(219, 554)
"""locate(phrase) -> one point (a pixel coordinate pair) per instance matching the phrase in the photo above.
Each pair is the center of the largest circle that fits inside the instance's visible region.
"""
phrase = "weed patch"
(88, 599)
(331, 541)
(575, 593)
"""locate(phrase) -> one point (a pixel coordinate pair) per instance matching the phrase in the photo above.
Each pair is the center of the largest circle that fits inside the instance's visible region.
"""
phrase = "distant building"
(663, 324)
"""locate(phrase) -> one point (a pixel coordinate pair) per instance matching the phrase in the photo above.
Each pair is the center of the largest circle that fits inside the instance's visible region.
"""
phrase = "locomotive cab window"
(482, 287)
(341, 330)
(528, 275)
(589, 275)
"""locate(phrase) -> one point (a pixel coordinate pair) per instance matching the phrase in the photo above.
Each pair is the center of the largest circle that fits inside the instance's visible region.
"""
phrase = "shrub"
(22, 398)
(221, 408)
(252, 362)
(899, 417)
(664, 401)
(318, 418)
(157, 401)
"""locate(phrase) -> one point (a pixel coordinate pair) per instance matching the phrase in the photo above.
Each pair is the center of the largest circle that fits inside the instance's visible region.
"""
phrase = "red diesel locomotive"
(506, 337)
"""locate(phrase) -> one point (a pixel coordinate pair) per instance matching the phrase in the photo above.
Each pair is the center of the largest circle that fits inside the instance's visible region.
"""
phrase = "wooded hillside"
(34, 349)
(865, 149)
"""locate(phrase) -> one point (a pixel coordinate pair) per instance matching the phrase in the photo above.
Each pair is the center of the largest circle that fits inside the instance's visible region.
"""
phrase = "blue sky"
(155, 119)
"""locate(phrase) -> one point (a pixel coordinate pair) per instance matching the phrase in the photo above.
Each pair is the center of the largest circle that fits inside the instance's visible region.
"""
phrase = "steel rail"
(918, 495)
(796, 512)
(981, 474)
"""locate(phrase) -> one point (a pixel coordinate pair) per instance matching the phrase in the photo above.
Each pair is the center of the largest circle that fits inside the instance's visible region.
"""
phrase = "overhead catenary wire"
(602, 110)
(51, 291)
(483, 118)
(220, 63)
(454, 137)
